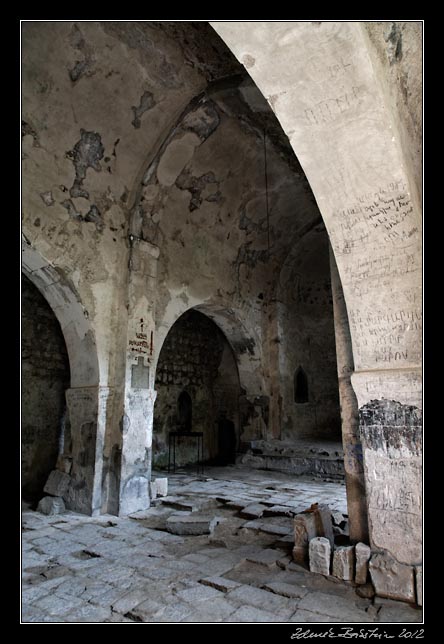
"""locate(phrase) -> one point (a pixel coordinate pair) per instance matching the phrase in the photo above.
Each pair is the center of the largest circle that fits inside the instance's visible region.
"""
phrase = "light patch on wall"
(175, 158)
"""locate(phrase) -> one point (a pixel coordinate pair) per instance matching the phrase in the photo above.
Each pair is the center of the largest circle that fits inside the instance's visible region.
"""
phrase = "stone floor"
(109, 570)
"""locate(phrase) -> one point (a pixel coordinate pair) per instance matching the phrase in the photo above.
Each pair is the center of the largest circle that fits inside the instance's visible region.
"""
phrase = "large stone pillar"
(139, 394)
(87, 407)
(391, 434)
(353, 460)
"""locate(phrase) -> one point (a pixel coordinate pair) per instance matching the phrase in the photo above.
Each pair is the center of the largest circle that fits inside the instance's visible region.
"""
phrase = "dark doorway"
(184, 412)
(196, 380)
(45, 378)
(226, 440)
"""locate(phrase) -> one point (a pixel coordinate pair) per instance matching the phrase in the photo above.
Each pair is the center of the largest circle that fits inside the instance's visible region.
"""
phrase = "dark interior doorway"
(185, 412)
(45, 378)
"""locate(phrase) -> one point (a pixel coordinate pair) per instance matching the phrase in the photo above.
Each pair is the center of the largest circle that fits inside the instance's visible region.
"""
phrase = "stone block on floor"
(344, 563)
(363, 553)
(253, 511)
(304, 531)
(392, 579)
(418, 575)
(319, 555)
(57, 483)
(51, 505)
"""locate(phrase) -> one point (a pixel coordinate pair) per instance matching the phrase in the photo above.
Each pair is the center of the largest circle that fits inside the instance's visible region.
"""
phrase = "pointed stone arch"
(330, 89)
(83, 398)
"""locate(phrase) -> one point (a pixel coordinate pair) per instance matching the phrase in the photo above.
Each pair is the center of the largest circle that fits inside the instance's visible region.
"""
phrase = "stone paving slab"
(198, 593)
(286, 590)
(220, 583)
(332, 606)
(260, 598)
(250, 614)
(267, 557)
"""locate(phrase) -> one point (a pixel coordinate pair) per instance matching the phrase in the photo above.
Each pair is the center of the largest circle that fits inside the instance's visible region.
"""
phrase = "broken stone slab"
(344, 563)
(319, 555)
(51, 505)
(267, 557)
(235, 505)
(392, 579)
(153, 490)
(315, 522)
(323, 522)
(64, 464)
(267, 528)
(418, 575)
(57, 483)
(363, 553)
(304, 532)
(286, 590)
(279, 511)
(161, 486)
(285, 542)
(191, 524)
(220, 583)
(178, 503)
(253, 511)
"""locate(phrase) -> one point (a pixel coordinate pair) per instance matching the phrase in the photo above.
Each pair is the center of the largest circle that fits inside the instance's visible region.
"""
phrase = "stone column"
(139, 394)
(391, 435)
(353, 462)
(87, 415)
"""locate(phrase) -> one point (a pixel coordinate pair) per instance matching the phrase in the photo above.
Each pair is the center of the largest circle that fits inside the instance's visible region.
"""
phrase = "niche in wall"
(300, 386)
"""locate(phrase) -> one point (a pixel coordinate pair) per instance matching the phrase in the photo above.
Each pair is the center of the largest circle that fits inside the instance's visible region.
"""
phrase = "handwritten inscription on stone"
(328, 110)
(394, 502)
(389, 209)
(386, 332)
(139, 345)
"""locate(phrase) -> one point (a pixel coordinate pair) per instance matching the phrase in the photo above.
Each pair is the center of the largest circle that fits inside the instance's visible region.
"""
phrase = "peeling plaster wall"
(307, 340)
(45, 377)
(195, 359)
(396, 49)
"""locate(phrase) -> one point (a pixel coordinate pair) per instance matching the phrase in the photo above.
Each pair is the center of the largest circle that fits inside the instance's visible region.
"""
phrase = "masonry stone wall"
(307, 341)
(45, 377)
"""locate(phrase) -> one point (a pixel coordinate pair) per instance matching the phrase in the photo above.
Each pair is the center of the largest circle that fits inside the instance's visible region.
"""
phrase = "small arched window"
(300, 386)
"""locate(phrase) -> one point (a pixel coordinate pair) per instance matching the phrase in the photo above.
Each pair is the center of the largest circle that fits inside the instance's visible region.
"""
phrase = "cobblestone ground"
(108, 569)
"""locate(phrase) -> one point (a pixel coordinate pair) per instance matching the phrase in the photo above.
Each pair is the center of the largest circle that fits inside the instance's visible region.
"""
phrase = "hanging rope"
(266, 191)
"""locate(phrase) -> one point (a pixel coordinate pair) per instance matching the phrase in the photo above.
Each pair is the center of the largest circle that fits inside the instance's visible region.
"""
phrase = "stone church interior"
(221, 300)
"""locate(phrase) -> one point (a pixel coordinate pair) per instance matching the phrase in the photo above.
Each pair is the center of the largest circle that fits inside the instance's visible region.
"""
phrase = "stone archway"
(254, 402)
(81, 461)
(237, 390)
(331, 94)
(45, 376)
